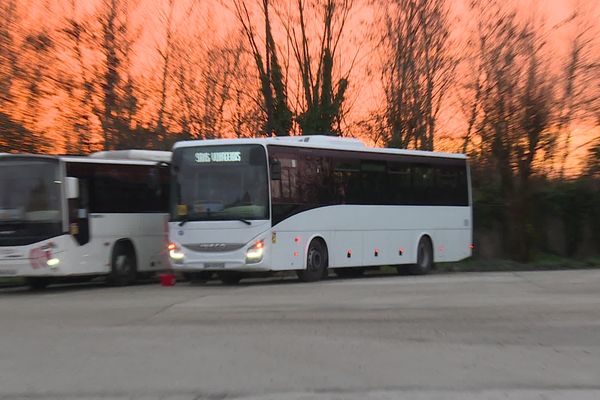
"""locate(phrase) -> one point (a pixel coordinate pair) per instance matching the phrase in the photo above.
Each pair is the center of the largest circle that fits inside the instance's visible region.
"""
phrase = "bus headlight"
(255, 253)
(53, 262)
(175, 253)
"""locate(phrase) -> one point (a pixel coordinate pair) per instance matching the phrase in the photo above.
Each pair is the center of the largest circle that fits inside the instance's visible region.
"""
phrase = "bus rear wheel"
(123, 266)
(316, 262)
(424, 263)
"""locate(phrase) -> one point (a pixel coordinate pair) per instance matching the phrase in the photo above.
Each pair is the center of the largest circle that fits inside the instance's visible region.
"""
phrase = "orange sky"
(365, 90)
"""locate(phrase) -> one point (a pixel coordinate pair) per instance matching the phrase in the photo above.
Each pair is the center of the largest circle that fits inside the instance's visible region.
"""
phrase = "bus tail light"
(255, 252)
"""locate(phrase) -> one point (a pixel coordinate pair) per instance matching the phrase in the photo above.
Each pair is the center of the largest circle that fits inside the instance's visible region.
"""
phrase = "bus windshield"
(220, 183)
(30, 206)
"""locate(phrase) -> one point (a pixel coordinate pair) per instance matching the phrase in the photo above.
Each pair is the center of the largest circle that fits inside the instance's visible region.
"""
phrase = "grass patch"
(541, 262)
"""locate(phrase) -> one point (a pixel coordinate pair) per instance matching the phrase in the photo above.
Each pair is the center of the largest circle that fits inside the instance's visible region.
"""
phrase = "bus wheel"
(424, 258)
(123, 266)
(349, 272)
(37, 283)
(316, 262)
(230, 277)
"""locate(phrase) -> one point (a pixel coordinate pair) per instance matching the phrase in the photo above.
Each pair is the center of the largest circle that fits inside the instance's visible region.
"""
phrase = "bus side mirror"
(275, 170)
(72, 187)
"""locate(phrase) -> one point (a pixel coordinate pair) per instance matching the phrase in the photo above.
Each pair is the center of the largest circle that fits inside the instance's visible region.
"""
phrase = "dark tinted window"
(122, 188)
(316, 177)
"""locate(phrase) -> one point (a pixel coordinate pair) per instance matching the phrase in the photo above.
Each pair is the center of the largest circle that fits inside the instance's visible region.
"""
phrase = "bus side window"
(400, 185)
(374, 183)
(423, 184)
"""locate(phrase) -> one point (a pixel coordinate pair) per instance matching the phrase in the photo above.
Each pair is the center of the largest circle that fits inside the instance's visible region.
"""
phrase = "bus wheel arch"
(123, 265)
(317, 260)
(424, 259)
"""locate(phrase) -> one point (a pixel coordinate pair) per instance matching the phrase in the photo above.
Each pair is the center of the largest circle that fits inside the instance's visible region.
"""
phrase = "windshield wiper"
(184, 221)
(245, 221)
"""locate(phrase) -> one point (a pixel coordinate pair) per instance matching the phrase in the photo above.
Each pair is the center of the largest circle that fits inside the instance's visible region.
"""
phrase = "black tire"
(38, 283)
(424, 263)
(349, 272)
(317, 261)
(123, 266)
(198, 277)
(230, 277)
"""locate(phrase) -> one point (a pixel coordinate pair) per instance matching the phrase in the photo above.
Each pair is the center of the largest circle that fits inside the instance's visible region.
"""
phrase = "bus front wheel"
(316, 262)
(424, 258)
(123, 266)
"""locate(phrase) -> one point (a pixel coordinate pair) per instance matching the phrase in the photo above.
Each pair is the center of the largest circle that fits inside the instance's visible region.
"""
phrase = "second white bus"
(315, 203)
(65, 219)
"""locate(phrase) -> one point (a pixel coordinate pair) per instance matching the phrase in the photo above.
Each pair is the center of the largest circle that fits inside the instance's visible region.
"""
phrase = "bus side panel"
(287, 250)
(151, 241)
(393, 230)
(346, 249)
(144, 230)
(387, 247)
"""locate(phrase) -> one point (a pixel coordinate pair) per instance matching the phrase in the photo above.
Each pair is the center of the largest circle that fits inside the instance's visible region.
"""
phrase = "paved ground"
(462, 336)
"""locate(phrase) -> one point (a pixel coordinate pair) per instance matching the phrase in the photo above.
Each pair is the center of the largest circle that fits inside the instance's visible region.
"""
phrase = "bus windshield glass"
(220, 183)
(30, 206)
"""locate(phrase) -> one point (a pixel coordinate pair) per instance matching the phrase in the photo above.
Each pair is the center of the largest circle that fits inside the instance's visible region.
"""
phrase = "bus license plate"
(214, 265)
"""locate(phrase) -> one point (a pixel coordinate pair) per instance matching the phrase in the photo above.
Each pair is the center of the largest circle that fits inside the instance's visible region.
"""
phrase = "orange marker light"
(171, 246)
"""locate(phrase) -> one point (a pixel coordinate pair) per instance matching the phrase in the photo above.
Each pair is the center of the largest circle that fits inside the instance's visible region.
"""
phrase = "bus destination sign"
(219, 157)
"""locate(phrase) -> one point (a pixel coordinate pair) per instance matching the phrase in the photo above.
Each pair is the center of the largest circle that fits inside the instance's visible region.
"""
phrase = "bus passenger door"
(79, 223)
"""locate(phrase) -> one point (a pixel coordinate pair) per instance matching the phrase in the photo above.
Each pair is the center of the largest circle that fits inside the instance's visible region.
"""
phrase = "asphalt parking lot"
(457, 336)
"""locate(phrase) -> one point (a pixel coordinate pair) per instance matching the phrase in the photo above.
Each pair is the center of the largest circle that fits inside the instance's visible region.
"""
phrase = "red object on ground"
(167, 279)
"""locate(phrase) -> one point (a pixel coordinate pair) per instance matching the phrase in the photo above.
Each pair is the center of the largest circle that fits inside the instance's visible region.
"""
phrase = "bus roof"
(317, 142)
(139, 157)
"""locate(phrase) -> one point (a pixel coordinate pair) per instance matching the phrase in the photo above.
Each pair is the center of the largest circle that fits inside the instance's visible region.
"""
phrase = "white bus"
(66, 218)
(315, 203)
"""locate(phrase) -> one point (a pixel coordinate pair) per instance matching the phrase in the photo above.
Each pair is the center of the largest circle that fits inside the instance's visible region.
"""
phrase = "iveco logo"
(212, 245)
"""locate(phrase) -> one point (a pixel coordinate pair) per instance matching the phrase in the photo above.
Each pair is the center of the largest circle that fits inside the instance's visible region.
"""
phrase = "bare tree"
(323, 95)
(273, 85)
(418, 69)
(118, 101)
(514, 115)
(210, 80)
(77, 84)
(8, 52)
(165, 54)
(592, 166)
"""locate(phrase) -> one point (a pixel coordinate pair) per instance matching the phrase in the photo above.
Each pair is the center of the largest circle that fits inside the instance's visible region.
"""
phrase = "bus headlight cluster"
(175, 253)
(255, 253)
(53, 262)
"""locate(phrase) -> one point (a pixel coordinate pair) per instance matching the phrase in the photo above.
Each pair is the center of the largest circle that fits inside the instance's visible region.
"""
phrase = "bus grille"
(213, 247)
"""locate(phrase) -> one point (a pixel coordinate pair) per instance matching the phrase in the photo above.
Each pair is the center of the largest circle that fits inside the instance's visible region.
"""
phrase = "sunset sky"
(214, 20)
